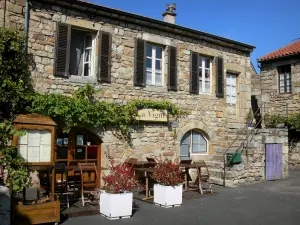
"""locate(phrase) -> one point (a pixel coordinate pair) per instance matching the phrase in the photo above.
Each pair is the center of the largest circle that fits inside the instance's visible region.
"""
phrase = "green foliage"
(249, 116)
(14, 83)
(272, 120)
(11, 161)
(81, 109)
(294, 121)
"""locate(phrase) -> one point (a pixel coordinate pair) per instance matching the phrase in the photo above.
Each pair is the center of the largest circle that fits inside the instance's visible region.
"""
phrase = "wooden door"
(273, 161)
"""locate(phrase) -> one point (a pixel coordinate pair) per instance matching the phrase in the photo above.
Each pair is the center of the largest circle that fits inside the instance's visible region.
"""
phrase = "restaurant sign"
(154, 115)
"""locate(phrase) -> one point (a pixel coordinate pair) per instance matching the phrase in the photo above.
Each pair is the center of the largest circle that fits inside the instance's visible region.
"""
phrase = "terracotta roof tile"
(291, 49)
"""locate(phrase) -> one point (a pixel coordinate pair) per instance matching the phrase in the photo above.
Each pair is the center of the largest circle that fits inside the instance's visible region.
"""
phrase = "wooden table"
(147, 171)
(197, 166)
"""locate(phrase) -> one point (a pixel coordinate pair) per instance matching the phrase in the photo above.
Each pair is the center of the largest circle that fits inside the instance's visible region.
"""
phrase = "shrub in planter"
(168, 190)
(116, 197)
(275, 120)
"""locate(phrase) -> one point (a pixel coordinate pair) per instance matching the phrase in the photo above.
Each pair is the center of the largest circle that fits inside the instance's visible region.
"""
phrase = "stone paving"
(275, 202)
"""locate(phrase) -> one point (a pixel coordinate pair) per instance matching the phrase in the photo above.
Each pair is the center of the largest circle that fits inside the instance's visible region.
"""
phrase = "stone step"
(216, 173)
(214, 164)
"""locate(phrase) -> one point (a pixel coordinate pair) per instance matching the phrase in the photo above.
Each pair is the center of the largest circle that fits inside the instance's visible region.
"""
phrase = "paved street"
(276, 203)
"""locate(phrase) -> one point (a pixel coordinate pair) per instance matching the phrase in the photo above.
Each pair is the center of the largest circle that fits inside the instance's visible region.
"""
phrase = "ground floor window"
(192, 143)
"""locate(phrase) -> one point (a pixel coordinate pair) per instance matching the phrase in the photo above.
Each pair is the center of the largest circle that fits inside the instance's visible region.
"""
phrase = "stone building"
(128, 57)
(280, 89)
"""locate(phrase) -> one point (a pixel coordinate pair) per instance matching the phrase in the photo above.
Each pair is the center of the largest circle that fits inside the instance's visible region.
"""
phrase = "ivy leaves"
(81, 109)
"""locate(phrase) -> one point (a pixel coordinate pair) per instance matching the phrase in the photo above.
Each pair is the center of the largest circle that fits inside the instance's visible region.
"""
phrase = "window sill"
(153, 88)
(83, 80)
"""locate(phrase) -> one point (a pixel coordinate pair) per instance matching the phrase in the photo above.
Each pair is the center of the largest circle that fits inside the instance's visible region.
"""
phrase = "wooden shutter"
(220, 78)
(62, 49)
(104, 57)
(194, 78)
(172, 69)
(140, 63)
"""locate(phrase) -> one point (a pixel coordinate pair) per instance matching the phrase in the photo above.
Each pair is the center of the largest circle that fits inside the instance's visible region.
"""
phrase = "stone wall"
(294, 150)
(272, 100)
(252, 168)
(208, 113)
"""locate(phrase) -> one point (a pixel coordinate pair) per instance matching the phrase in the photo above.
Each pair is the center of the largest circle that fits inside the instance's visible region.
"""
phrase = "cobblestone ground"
(275, 202)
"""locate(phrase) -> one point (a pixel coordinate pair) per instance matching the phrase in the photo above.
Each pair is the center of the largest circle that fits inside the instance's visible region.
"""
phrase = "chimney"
(169, 15)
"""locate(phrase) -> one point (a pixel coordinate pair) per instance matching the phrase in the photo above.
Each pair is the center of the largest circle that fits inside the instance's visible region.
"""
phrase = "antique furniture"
(202, 178)
(89, 181)
(36, 146)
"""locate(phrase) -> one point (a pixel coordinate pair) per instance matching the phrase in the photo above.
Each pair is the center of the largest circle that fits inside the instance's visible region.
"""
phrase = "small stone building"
(127, 56)
(279, 85)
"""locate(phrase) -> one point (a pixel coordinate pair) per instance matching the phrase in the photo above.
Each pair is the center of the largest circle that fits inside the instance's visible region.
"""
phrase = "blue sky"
(266, 24)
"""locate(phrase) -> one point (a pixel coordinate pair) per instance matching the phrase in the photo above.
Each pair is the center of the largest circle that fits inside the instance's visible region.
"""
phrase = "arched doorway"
(193, 142)
(79, 145)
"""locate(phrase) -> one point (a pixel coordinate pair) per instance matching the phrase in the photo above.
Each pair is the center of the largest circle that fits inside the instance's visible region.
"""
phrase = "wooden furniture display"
(78, 146)
(36, 146)
(147, 172)
(89, 181)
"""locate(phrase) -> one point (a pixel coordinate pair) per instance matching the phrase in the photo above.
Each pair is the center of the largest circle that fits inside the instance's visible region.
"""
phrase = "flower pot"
(168, 196)
(250, 126)
(116, 206)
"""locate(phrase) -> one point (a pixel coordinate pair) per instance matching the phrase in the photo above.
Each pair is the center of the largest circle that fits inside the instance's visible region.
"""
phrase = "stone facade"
(219, 122)
(273, 102)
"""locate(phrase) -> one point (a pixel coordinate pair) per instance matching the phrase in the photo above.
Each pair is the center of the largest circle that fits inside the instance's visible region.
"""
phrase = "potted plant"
(116, 197)
(168, 190)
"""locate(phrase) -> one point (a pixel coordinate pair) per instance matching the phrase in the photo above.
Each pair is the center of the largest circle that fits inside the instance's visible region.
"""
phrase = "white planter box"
(168, 196)
(116, 206)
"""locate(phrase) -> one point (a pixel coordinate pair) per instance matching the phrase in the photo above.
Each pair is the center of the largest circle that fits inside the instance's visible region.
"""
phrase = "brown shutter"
(62, 50)
(172, 69)
(220, 78)
(194, 78)
(140, 63)
(104, 57)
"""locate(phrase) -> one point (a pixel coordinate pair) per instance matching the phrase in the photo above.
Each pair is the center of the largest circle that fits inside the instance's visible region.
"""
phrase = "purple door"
(273, 161)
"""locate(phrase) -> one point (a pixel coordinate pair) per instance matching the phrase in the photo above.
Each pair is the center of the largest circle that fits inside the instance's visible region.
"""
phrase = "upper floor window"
(205, 66)
(81, 53)
(75, 53)
(154, 65)
(284, 73)
(231, 89)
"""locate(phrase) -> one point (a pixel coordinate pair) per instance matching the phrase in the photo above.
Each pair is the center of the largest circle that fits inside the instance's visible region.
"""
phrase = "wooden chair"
(202, 178)
(89, 185)
(61, 186)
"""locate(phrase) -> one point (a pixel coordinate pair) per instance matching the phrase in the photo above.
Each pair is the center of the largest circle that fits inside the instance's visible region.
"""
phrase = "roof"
(288, 50)
(123, 16)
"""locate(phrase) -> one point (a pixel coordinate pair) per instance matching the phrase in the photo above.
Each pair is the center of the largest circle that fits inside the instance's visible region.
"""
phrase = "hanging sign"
(154, 115)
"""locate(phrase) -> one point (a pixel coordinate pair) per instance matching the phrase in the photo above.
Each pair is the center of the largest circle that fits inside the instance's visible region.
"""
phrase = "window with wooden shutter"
(104, 57)
(194, 79)
(172, 69)
(61, 63)
(140, 63)
(220, 78)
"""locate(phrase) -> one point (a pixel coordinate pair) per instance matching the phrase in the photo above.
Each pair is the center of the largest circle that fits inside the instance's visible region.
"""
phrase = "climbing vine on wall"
(81, 109)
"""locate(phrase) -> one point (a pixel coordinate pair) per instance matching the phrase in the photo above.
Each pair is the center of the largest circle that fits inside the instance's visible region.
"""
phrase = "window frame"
(279, 68)
(94, 35)
(191, 143)
(203, 69)
(236, 85)
(153, 63)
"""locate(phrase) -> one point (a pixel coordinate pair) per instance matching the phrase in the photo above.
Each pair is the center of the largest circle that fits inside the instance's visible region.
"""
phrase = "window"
(231, 89)
(154, 65)
(81, 53)
(205, 66)
(284, 73)
(193, 142)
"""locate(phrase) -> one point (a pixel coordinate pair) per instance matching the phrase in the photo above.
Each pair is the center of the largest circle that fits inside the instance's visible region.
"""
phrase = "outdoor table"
(147, 171)
(197, 166)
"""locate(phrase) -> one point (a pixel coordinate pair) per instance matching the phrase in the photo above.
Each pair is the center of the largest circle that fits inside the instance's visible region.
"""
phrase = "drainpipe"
(26, 25)
(4, 14)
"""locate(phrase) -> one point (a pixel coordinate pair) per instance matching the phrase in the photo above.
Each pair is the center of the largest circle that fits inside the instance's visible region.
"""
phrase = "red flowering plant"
(167, 173)
(120, 179)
